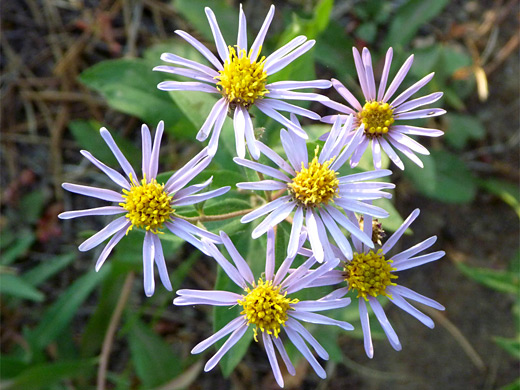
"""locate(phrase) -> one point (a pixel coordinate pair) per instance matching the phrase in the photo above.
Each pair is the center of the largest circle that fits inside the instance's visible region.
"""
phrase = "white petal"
(385, 324)
(222, 47)
(411, 90)
(232, 340)
(106, 210)
(201, 48)
(259, 40)
(115, 176)
(146, 150)
(230, 327)
(271, 356)
(392, 240)
(398, 79)
(113, 227)
(239, 261)
(127, 168)
(161, 263)
(304, 350)
(365, 326)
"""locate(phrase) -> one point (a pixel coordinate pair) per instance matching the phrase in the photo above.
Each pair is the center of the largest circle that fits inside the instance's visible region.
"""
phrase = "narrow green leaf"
(515, 385)
(31, 205)
(16, 287)
(499, 280)
(506, 191)
(47, 269)
(22, 243)
(512, 346)
(462, 129)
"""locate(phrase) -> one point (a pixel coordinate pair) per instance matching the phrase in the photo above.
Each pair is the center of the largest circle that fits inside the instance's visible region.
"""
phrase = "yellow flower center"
(148, 205)
(315, 185)
(265, 307)
(369, 274)
(242, 82)
(377, 118)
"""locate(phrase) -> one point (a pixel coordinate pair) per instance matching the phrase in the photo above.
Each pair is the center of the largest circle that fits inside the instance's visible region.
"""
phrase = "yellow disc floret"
(377, 118)
(148, 205)
(265, 307)
(369, 274)
(242, 81)
(315, 185)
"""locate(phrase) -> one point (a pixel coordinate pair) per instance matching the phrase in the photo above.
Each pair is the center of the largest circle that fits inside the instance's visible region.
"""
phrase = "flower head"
(268, 306)
(147, 204)
(379, 113)
(373, 273)
(316, 192)
(241, 77)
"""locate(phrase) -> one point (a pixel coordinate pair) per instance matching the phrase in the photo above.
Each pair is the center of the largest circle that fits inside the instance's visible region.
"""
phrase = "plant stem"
(219, 217)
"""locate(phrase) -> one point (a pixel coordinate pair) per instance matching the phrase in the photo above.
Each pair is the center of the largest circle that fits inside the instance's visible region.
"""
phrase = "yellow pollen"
(369, 274)
(265, 307)
(377, 118)
(242, 81)
(315, 185)
(148, 205)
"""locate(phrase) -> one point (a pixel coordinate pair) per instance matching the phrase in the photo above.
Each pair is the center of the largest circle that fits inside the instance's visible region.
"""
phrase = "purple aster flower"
(241, 76)
(268, 306)
(373, 273)
(379, 113)
(315, 191)
(147, 204)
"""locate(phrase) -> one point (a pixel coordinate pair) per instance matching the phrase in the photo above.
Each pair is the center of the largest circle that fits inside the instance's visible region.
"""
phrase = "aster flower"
(379, 113)
(147, 204)
(267, 305)
(373, 274)
(315, 191)
(241, 76)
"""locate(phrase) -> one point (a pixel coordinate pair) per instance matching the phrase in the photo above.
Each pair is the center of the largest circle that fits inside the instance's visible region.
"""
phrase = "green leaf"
(49, 267)
(506, 191)
(408, 18)
(15, 286)
(499, 280)
(395, 220)
(60, 314)
(512, 346)
(154, 360)
(463, 128)
(31, 205)
(22, 243)
(45, 375)
(515, 385)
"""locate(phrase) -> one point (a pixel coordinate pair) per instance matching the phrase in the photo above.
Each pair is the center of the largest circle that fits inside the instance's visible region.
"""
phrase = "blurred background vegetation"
(70, 67)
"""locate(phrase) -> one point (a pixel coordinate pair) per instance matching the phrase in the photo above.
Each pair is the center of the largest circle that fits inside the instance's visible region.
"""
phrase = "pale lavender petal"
(398, 79)
(273, 219)
(288, 85)
(154, 158)
(228, 268)
(414, 296)
(321, 305)
(324, 238)
(201, 48)
(353, 228)
(283, 353)
(271, 356)
(365, 326)
(146, 150)
(336, 294)
(358, 152)
(307, 336)
(192, 189)
(369, 175)
(392, 240)
(218, 109)
(402, 304)
(148, 260)
(265, 185)
(269, 255)
(332, 143)
(363, 208)
(384, 80)
(360, 69)
(259, 40)
(267, 110)
(294, 238)
(406, 254)
(161, 263)
(284, 106)
(192, 74)
(304, 350)
(242, 30)
(105, 210)
(298, 273)
(315, 318)
(249, 132)
(410, 91)
(127, 168)
(278, 64)
(108, 247)
(267, 170)
(338, 235)
(288, 47)
(192, 229)
(391, 153)
(189, 165)
(192, 199)
(175, 59)
(274, 157)
(266, 208)
(351, 147)
(346, 94)
(115, 176)
(422, 101)
(414, 130)
(314, 238)
(408, 153)
(113, 227)
(329, 279)
(190, 301)
(186, 86)
(417, 261)
(230, 327)
(229, 298)
(369, 74)
(175, 182)
(310, 277)
(409, 143)
(307, 96)
(426, 113)
(213, 142)
(337, 107)
(385, 324)
(295, 149)
(242, 266)
(376, 153)
(232, 340)
(178, 231)
(222, 47)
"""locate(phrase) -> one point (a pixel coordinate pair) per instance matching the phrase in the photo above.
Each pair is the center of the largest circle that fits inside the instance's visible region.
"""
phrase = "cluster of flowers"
(305, 190)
